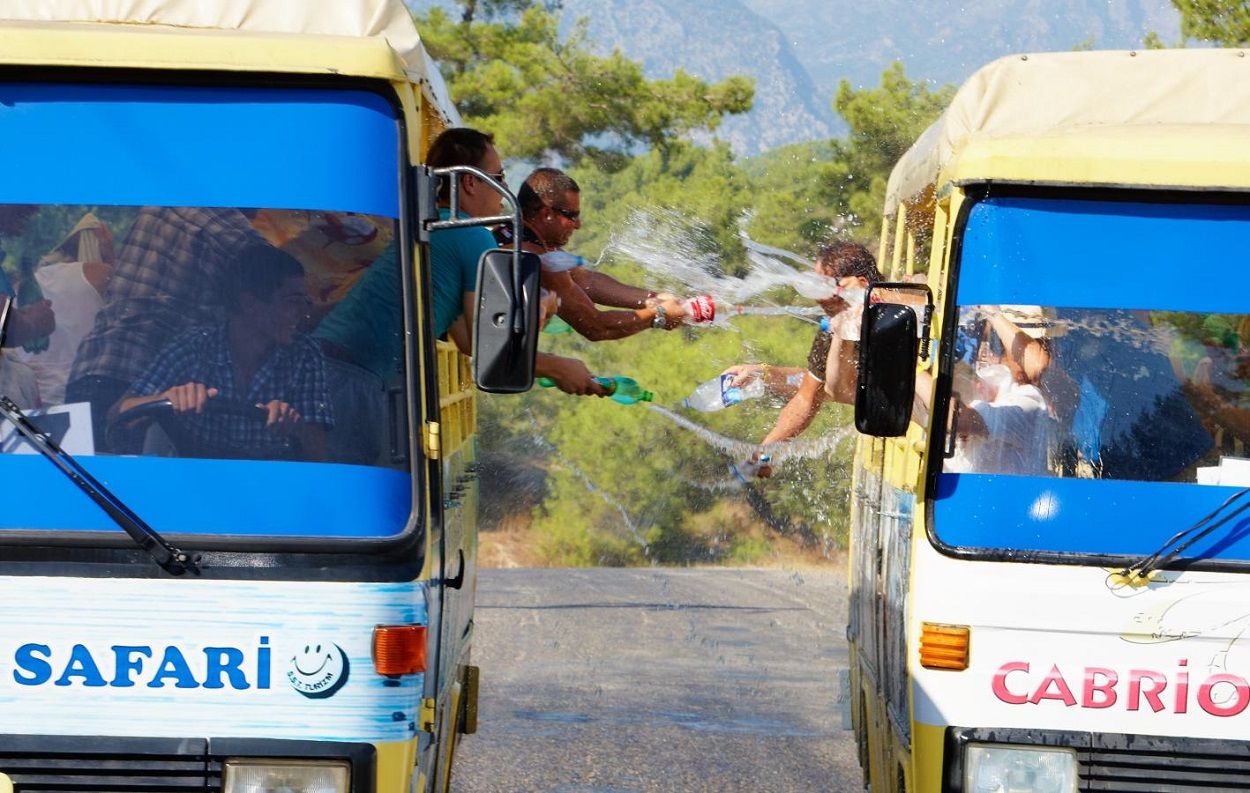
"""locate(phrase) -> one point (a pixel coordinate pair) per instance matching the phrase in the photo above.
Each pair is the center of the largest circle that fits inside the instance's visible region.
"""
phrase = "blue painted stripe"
(1103, 254)
(218, 497)
(1088, 516)
(198, 146)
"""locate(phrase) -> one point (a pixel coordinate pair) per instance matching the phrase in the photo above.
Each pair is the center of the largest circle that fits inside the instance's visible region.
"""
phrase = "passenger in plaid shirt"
(256, 357)
(168, 276)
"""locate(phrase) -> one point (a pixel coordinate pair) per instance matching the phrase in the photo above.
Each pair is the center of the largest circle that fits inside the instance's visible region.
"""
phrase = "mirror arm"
(926, 325)
(948, 450)
(455, 221)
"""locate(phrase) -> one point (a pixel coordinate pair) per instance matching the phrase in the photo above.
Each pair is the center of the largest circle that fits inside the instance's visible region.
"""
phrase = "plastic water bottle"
(718, 394)
(624, 390)
(699, 309)
(747, 470)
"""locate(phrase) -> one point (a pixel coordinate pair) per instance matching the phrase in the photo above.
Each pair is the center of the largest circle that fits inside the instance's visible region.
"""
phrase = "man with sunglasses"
(455, 253)
(551, 208)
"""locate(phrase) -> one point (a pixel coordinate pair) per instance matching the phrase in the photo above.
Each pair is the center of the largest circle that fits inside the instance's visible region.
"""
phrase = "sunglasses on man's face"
(572, 215)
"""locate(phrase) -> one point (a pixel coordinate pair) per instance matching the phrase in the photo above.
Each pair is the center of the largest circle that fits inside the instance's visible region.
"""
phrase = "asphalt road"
(616, 681)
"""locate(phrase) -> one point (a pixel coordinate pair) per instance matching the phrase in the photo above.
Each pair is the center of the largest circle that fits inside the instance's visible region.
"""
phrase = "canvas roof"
(388, 20)
(1075, 93)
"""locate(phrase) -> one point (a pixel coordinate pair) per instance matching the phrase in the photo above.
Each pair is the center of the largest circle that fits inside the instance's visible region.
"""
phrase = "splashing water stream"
(673, 247)
(790, 450)
(630, 524)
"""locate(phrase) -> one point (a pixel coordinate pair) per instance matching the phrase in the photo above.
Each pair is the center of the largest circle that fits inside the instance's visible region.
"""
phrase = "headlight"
(998, 768)
(286, 776)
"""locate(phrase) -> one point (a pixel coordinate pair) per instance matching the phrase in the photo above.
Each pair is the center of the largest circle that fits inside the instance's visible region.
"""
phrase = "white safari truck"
(1050, 545)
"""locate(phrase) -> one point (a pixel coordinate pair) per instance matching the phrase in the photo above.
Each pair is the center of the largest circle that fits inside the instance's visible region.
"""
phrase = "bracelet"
(660, 315)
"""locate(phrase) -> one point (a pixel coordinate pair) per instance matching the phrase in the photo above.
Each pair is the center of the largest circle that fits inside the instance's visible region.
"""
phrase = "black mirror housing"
(505, 328)
(886, 383)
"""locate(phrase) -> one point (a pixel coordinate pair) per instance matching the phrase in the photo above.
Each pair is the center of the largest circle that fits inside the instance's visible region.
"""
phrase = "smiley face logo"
(318, 669)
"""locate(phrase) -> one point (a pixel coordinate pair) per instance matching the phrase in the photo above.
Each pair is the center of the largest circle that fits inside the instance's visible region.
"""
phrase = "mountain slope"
(713, 41)
(799, 50)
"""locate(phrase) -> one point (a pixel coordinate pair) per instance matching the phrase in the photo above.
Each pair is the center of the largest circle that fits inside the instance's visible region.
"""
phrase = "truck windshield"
(211, 322)
(1101, 377)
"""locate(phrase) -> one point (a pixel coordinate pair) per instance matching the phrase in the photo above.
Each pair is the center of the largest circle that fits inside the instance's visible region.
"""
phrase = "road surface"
(616, 681)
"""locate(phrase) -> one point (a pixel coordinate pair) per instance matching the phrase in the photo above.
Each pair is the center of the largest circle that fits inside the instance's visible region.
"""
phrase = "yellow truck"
(1049, 549)
(201, 603)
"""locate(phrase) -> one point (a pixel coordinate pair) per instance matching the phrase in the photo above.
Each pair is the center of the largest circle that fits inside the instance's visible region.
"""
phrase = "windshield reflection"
(1101, 393)
(228, 333)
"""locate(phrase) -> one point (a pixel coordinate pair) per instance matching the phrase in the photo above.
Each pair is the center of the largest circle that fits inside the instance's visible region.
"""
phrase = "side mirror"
(505, 330)
(886, 383)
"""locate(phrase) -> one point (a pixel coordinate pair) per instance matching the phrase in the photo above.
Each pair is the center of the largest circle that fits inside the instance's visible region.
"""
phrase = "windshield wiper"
(171, 559)
(1142, 568)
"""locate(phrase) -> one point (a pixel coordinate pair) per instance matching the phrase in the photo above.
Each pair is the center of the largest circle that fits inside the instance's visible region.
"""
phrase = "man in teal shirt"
(454, 253)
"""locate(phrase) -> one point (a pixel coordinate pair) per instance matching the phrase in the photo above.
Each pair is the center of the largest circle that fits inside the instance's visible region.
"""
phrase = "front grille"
(1148, 764)
(149, 767)
(1111, 763)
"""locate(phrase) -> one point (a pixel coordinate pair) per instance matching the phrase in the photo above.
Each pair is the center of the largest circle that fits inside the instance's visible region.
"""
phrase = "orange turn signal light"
(944, 646)
(399, 649)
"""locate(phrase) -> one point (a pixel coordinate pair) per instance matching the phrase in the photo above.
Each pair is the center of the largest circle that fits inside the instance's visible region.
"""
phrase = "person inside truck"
(37, 319)
(1002, 410)
(167, 277)
(72, 277)
(252, 386)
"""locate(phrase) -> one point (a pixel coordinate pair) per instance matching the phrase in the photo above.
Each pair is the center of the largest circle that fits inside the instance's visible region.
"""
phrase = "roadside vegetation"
(582, 482)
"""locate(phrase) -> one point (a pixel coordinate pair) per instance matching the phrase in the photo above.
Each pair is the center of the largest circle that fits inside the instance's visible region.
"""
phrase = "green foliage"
(701, 183)
(541, 95)
(810, 193)
(1224, 22)
(884, 123)
(493, 9)
(628, 485)
(799, 194)
(48, 227)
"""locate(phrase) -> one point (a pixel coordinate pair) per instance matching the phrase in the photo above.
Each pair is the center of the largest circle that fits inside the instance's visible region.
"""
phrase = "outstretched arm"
(781, 381)
(605, 290)
(577, 309)
(798, 412)
(570, 375)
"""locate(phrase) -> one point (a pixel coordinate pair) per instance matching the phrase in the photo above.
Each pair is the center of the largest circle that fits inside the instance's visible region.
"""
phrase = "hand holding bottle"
(757, 466)
(669, 314)
(692, 310)
(744, 373)
(624, 390)
(569, 375)
(720, 392)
